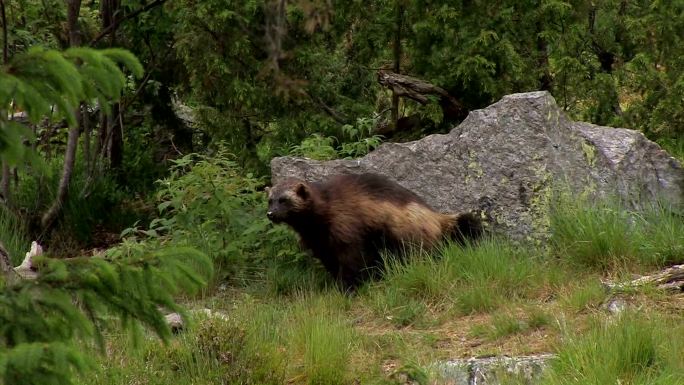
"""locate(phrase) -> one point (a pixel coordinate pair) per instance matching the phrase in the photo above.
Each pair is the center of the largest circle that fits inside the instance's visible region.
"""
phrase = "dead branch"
(24, 271)
(416, 89)
(670, 279)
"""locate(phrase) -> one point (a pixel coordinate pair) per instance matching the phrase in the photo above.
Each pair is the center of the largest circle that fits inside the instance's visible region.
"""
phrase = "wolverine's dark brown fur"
(347, 220)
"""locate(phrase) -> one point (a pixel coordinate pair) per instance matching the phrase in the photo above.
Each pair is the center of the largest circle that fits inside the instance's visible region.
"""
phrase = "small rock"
(493, 370)
(616, 306)
(175, 322)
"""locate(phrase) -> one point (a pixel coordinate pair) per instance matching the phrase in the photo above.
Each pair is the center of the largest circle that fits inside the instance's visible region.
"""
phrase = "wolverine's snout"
(274, 216)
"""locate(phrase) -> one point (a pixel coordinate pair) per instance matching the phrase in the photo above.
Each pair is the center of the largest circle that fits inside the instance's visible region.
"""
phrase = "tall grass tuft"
(493, 272)
(597, 236)
(605, 235)
(13, 235)
(631, 350)
(663, 242)
(324, 337)
(472, 279)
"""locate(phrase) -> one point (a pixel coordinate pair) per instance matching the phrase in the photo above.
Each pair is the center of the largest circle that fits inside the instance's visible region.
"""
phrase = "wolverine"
(347, 220)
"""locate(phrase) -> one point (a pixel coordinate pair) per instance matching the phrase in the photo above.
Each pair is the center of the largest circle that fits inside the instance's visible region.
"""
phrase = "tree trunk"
(6, 268)
(545, 79)
(73, 10)
(397, 59)
(109, 10)
(670, 279)
(67, 171)
(86, 136)
(4, 183)
(102, 135)
(115, 148)
(5, 53)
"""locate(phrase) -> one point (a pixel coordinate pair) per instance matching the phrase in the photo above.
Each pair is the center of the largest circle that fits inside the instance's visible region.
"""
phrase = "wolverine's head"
(288, 199)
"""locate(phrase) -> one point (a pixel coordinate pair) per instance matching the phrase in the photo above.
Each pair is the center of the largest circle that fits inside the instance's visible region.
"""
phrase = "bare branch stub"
(419, 90)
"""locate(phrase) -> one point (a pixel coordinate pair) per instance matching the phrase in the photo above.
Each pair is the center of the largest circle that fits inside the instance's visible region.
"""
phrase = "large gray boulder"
(507, 158)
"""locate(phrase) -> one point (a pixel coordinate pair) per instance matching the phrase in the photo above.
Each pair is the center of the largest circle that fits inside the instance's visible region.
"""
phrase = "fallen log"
(670, 279)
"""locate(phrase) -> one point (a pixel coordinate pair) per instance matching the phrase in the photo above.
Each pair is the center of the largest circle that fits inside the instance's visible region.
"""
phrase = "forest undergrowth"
(278, 318)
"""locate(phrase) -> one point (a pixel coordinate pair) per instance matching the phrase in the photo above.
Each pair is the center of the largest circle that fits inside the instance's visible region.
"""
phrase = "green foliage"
(41, 363)
(207, 201)
(95, 202)
(360, 140)
(316, 147)
(314, 74)
(630, 350)
(72, 298)
(39, 79)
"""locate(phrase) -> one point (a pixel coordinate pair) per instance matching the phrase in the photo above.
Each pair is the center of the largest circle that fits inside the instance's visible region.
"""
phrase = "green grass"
(604, 235)
(583, 295)
(663, 241)
(504, 324)
(325, 339)
(632, 349)
(674, 146)
(292, 325)
(469, 280)
(598, 236)
(13, 235)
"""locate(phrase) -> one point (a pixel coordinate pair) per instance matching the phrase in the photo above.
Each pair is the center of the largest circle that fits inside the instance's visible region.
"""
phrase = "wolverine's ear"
(268, 190)
(302, 190)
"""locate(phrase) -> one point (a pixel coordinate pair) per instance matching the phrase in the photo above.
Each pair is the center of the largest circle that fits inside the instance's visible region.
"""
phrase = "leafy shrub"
(206, 201)
(359, 141)
(316, 147)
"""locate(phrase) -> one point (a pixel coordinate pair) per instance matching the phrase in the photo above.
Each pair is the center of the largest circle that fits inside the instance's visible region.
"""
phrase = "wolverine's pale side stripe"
(346, 221)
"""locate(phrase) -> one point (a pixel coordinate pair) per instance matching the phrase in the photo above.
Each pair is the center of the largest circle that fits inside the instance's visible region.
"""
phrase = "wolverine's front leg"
(353, 268)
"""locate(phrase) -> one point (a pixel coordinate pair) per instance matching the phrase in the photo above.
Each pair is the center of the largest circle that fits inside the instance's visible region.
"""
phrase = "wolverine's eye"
(282, 200)
(270, 201)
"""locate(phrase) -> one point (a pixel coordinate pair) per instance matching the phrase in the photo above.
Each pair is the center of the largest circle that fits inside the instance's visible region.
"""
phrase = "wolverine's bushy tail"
(466, 227)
